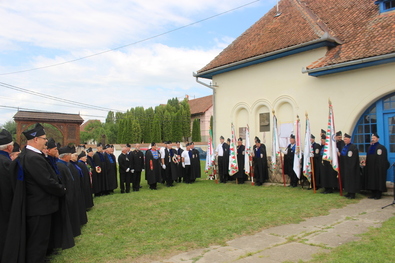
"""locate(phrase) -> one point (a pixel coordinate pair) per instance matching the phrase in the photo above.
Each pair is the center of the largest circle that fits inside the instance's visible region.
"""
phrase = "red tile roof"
(200, 105)
(357, 27)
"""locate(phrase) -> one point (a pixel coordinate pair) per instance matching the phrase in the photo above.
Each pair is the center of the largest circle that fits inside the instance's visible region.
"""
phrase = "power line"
(130, 44)
(82, 105)
(28, 109)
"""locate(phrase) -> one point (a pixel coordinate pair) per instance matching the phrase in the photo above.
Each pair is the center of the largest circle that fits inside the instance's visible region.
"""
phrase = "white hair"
(4, 146)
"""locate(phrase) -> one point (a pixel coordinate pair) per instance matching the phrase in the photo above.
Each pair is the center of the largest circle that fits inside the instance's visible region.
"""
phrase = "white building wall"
(280, 85)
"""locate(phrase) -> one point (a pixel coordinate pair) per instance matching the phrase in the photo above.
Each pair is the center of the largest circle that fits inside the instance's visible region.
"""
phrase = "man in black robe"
(100, 184)
(328, 176)
(376, 166)
(195, 163)
(111, 165)
(351, 172)
(39, 194)
(240, 175)
(6, 193)
(166, 164)
(78, 175)
(86, 186)
(137, 166)
(61, 232)
(152, 167)
(180, 169)
(124, 168)
(316, 159)
(261, 173)
(289, 156)
(72, 197)
(91, 167)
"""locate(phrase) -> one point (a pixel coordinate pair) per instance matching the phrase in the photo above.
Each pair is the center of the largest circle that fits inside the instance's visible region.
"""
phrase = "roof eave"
(322, 42)
(351, 65)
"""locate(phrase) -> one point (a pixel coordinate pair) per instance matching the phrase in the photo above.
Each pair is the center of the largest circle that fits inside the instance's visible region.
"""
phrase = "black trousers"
(124, 179)
(221, 170)
(37, 238)
(136, 179)
(187, 174)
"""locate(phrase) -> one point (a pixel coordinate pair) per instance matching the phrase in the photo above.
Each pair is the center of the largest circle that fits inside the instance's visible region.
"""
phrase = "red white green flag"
(233, 166)
(247, 152)
(210, 151)
(307, 152)
(330, 148)
(276, 144)
(298, 152)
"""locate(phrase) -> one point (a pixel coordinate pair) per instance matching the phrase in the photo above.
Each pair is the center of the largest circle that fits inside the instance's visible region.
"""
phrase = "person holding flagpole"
(261, 173)
(289, 155)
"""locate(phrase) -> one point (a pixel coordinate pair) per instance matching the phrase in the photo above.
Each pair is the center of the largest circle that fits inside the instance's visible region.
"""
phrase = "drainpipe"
(213, 87)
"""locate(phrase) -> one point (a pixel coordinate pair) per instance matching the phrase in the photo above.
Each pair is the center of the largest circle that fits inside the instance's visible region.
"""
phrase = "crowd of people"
(46, 190)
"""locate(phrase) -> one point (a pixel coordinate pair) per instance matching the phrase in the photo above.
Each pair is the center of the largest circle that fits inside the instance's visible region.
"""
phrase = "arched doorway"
(379, 118)
(67, 124)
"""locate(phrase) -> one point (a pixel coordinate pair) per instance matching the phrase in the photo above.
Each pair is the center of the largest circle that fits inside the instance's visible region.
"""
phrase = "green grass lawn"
(151, 225)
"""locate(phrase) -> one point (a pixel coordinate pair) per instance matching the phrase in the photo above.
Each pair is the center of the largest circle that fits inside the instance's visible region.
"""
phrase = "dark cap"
(106, 146)
(222, 137)
(292, 136)
(5, 137)
(99, 144)
(37, 131)
(228, 140)
(312, 136)
(128, 145)
(257, 140)
(375, 135)
(51, 143)
(347, 135)
(240, 139)
(153, 144)
(89, 150)
(323, 136)
(339, 133)
(82, 154)
(16, 148)
(65, 149)
(323, 131)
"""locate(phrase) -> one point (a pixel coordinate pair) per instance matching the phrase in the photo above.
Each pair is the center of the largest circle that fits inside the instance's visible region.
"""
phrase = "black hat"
(153, 144)
(323, 136)
(240, 139)
(167, 142)
(376, 135)
(312, 136)
(128, 145)
(51, 143)
(292, 136)
(72, 149)
(37, 131)
(339, 133)
(257, 140)
(323, 131)
(5, 137)
(222, 137)
(99, 144)
(228, 140)
(58, 145)
(16, 148)
(89, 150)
(347, 135)
(65, 149)
(111, 146)
(82, 154)
(177, 142)
(106, 146)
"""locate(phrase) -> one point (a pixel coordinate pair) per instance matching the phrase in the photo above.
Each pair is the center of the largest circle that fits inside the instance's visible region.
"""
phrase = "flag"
(210, 151)
(298, 153)
(307, 152)
(330, 148)
(233, 167)
(275, 143)
(247, 152)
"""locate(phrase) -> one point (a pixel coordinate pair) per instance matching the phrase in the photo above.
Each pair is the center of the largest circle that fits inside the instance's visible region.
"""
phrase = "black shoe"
(351, 197)
(372, 197)
(377, 198)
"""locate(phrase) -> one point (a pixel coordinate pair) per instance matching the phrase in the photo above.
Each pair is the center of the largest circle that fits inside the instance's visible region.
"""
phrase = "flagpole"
(312, 172)
(338, 171)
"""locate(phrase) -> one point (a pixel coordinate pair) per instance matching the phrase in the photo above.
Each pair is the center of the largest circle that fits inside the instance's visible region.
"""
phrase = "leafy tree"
(196, 133)
(167, 126)
(11, 127)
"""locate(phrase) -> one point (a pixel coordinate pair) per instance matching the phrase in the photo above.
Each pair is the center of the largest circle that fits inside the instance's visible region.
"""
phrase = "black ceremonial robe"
(86, 185)
(153, 168)
(351, 172)
(6, 194)
(240, 162)
(261, 173)
(375, 171)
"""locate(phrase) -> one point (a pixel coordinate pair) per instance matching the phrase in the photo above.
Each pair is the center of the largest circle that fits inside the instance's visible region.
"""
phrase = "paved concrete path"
(296, 242)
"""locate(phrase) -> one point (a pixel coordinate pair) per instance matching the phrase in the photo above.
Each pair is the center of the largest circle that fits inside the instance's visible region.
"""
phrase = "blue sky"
(43, 33)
